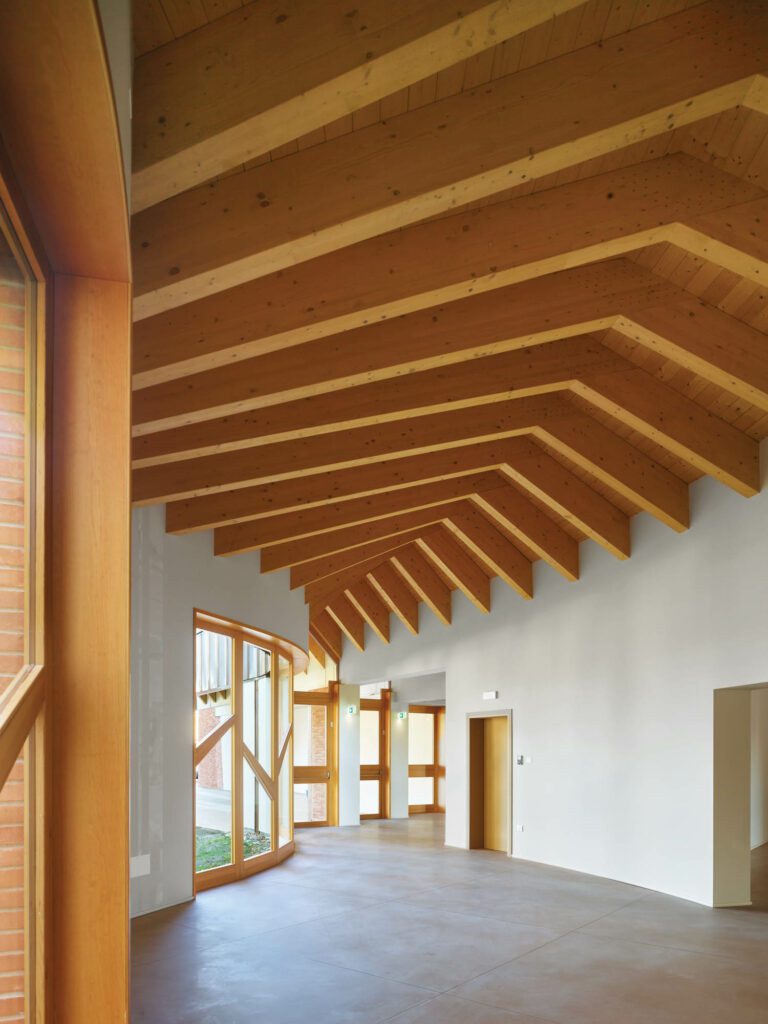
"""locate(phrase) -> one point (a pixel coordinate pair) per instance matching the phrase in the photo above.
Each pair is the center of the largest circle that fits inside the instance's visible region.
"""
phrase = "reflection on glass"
(369, 737)
(12, 887)
(421, 738)
(284, 697)
(310, 801)
(421, 791)
(309, 734)
(284, 799)
(369, 796)
(213, 807)
(257, 816)
(257, 704)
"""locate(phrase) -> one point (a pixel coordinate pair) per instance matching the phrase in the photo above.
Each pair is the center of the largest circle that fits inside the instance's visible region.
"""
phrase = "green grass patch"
(214, 849)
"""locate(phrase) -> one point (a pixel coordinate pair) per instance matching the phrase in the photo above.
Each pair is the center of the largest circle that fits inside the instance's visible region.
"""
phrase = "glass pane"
(421, 791)
(369, 796)
(421, 738)
(213, 807)
(212, 710)
(12, 895)
(257, 704)
(257, 815)
(213, 661)
(13, 335)
(369, 737)
(285, 697)
(309, 734)
(314, 680)
(310, 801)
(284, 800)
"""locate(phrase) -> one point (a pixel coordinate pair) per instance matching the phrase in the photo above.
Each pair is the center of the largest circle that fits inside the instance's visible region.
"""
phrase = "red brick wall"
(11, 632)
(210, 772)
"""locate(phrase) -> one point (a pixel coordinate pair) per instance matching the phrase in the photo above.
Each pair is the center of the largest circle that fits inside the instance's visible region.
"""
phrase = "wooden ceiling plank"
(182, 252)
(259, 533)
(250, 82)
(352, 624)
(294, 552)
(387, 276)
(458, 565)
(316, 649)
(493, 548)
(547, 309)
(397, 594)
(570, 497)
(524, 520)
(319, 489)
(368, 603)
(423, 578)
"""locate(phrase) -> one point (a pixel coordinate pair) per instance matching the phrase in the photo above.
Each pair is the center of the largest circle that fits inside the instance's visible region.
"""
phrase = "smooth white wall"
(759, 768)
(611, 682)
(171, 576)
(349, 755)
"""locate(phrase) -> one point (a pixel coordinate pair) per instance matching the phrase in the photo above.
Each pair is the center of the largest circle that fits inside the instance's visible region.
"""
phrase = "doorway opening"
(740, 804)
(374, 756)
(315, 745)
(490, 782)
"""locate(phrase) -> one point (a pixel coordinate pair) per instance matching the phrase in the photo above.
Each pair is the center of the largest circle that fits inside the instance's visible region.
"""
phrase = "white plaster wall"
(759, 768)
(171, 576)
(349, 755)
(611, 682)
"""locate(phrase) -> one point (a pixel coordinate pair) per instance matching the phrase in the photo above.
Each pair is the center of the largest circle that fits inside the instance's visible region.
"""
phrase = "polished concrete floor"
(382, 923)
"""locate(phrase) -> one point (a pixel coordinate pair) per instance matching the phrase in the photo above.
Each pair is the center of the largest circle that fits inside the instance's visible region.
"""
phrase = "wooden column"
(90, 693)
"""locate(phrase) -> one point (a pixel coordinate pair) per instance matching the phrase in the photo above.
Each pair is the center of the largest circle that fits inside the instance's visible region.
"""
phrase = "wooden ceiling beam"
(328, 632)
(365, 557)
(520, 517)
(424, 580)
(673, 198)
(258, 533)
(319, 489)
(349, 619)
(294, 552)
(368, 603)
(678, 424)
(633, 473)
(480, 143)
(458, 565)
(546, 309)
(582, 364)
(570, 498)
(249, 82)
(493, 548)
(395, 591)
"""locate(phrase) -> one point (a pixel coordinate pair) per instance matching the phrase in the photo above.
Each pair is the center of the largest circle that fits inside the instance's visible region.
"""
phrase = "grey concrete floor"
(382, 923)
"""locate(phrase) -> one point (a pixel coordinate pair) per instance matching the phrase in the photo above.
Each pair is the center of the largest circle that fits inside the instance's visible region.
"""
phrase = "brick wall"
(11, 630)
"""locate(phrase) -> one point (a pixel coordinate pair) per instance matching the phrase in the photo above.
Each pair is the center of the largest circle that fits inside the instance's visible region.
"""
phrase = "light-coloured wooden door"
(496, 784)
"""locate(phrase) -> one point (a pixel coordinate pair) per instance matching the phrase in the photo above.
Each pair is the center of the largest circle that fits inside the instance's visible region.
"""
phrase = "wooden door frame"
(435, 770)
(383, 705)
(473, 716)
(329, 774)
(278, 647)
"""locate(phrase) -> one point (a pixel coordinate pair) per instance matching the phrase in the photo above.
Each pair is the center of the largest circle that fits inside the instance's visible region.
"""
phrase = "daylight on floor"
(384, 555)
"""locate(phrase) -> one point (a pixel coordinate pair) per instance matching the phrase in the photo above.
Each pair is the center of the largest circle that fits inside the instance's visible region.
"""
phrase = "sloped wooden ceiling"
(426, 291)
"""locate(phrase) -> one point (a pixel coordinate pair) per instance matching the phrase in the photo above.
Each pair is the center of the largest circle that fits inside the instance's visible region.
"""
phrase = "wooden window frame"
(23, 729)
(296, 657)
(380, 772)
(435, 770)
(327, 774)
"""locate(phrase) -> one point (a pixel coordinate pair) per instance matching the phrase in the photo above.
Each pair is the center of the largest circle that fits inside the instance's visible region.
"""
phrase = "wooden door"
(496, 784)
(374, 757)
